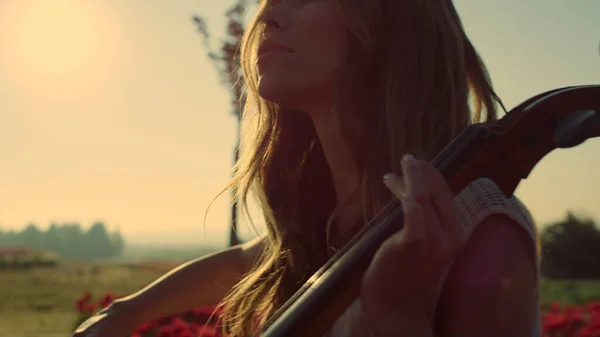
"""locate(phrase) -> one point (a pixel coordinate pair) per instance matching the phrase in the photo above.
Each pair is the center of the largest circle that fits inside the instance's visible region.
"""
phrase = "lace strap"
(483, 198)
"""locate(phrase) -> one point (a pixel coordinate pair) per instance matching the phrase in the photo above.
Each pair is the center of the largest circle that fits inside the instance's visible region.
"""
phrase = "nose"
(274, 18)
(272, 24)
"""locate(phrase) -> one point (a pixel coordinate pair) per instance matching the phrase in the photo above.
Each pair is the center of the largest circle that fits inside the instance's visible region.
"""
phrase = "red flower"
(594, 306)
(165, 331)
(146, 327)
(82, 302)
(207, 331)
(186, 333)
(165, 320)
(80, 306)
(559, 321)
(178, 325)
(106, 300)
(91, 308)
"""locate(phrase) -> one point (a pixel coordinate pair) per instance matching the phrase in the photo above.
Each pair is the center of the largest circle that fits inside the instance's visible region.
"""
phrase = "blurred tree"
(570, 248)
(32, 236)
(67, 240)
(74, 245)
(9, 238)
(98, 242)
(226, 61)
(117, 243)
(52, 238)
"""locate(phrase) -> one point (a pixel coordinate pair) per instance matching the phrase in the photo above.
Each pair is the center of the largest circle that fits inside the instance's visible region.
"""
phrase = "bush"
(22, 258)
(570, 248)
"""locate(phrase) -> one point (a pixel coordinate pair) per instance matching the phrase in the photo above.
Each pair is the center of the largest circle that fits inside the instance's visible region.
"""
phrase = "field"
(41, 302)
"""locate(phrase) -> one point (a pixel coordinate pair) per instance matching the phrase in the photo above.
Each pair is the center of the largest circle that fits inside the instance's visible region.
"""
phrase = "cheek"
(322, 37)
(318, 37)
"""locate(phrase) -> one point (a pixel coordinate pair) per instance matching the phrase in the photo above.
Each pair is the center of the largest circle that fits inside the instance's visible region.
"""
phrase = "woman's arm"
(492, 288)
(203, 281)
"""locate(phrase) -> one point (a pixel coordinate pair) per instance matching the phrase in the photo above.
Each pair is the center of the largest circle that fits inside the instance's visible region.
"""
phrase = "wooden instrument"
(505, 151)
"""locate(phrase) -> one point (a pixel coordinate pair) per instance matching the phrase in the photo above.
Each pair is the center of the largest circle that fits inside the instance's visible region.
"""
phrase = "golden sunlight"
(57, 36)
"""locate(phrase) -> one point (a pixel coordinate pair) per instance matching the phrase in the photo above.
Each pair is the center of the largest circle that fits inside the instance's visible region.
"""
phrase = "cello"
(505, 151)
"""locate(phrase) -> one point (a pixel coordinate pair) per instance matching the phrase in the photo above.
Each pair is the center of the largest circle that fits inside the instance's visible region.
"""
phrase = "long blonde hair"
(412, 74)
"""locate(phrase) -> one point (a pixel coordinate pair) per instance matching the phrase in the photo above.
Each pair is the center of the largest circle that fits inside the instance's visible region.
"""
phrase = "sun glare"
(56, 36)
(60, 48)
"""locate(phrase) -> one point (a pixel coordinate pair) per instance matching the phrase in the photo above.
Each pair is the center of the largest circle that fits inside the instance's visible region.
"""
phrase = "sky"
(110, 110)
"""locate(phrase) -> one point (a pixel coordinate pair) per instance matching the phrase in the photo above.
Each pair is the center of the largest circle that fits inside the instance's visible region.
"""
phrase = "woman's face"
(305, 40)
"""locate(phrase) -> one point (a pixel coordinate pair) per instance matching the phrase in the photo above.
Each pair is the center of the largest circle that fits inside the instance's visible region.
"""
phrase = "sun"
(57, 36)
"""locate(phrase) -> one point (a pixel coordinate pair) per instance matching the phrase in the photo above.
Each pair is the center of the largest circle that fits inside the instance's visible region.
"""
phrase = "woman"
(339, 92)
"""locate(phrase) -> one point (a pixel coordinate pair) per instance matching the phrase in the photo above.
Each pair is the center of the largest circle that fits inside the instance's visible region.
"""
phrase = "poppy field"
(49, 302)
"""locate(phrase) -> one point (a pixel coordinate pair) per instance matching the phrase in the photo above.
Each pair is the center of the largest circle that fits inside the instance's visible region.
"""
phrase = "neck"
(337, 153)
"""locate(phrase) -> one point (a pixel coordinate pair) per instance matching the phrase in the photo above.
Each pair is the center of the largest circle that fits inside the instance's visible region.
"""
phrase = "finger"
(395, 184)
(419, 188)
(413, 215)
(414, 220)
(415, 183)
(443, 202)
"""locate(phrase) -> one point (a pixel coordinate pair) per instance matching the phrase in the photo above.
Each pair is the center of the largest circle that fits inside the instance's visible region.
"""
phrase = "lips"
(270, 45)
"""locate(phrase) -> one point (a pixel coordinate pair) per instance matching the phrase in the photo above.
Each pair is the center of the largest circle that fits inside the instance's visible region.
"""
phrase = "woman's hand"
(401, 287)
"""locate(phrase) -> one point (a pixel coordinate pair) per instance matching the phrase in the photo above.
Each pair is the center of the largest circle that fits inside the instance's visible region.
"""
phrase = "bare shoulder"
(249, 250)
(497, 246)
(502, 233)
(496, 271)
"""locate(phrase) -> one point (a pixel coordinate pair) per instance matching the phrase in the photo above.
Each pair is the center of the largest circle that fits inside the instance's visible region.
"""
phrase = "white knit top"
(475, 203)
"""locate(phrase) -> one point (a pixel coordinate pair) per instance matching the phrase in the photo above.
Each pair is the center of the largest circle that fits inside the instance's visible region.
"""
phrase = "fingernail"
(407, 202)
(408, 157)
(389, 176)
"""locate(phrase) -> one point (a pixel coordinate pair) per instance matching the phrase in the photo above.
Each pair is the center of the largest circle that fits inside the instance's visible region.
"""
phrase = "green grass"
(41, 302)
(570, 292)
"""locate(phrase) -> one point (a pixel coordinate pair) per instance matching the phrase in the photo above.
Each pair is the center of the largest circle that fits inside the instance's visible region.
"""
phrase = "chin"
(280, 92)
(294, 95)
